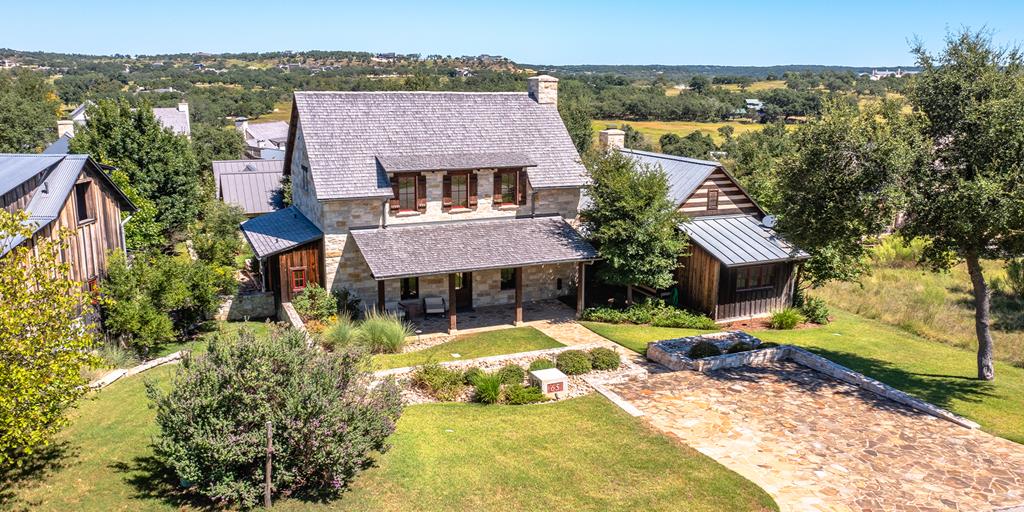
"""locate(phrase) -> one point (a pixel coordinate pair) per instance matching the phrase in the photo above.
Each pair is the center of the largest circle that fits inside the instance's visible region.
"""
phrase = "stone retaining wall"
(491, 362)
(247, 306)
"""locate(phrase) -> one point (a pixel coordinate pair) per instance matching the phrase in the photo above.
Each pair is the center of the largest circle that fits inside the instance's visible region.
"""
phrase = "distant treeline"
(685, 72)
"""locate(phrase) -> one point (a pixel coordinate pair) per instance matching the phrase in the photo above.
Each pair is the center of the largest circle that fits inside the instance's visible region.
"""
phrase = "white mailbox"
(552, 381)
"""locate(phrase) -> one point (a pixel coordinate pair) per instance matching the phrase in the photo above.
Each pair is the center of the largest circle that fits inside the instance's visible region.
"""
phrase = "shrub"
(518, 394)
(113, 356)
(512, 374)
(470, 375)
(739, 346)
(487, 388)
(786, 319)
(573, 362)
(604, 359)
(440, 382)
(607, 315)
(683, 319)
(646, 311)
(897, 252)
(541, 364)
(315, 303)
(347, 302)
(383, 332)
(815, 310)
(703, 349)
(1015, 276)
(311, 398)
(339, 334)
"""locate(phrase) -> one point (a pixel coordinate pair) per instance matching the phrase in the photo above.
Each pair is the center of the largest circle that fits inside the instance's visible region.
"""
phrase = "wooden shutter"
(521, 189)
(472, 189)
(394, 203)
(421, 192)
(497, 187)
(446, 187)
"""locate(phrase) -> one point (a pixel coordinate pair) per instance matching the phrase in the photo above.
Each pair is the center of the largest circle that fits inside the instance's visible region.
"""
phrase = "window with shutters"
(712, 199)
(460, 191)
(407, 193)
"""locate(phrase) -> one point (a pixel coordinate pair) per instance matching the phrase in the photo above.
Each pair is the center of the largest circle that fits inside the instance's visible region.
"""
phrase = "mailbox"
(552, 382)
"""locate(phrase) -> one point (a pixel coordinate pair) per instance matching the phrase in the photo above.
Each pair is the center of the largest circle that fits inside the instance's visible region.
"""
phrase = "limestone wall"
(249, 306)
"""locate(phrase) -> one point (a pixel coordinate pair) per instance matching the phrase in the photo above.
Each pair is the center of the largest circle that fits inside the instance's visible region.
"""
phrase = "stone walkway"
(817, 444)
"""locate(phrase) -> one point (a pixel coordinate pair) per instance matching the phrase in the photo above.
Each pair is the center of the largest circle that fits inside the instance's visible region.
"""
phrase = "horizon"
(655, 33)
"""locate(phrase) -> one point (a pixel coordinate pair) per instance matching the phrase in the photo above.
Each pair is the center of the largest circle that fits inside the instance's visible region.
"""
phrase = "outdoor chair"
(434, 305)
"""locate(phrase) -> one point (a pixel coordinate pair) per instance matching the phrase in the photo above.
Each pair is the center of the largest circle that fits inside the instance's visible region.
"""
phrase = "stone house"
(400, 196)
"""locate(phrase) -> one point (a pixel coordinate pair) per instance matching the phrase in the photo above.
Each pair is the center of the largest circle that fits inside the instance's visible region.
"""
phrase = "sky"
(736, 32)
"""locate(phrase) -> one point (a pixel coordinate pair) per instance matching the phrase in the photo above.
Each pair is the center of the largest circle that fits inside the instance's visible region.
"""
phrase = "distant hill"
(681, 72)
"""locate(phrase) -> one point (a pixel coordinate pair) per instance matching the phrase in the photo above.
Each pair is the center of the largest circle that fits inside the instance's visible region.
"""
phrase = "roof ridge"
(467, 93)
(671, 157)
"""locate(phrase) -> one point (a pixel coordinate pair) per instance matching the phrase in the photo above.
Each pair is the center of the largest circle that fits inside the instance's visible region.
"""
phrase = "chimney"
(65, 127)
(182, 106)
(543, 89)
(242, 123)
(611, 139)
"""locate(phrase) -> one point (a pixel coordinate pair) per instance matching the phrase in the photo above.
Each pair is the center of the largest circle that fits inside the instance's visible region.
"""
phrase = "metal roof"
(17, 168)
(61, 146)
(279, 231)
(273, 130)
(737, 240)
(684, 174)
(454, 161)
(468, 246)
(252, 191)
(221, 167)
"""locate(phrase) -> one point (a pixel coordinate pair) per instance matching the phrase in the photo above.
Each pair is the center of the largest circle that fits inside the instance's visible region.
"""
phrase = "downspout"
(533, 204)
(124, 245)
(384, 214)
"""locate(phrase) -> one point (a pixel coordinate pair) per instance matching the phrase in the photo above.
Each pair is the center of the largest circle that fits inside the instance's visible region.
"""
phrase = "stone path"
(817, 444)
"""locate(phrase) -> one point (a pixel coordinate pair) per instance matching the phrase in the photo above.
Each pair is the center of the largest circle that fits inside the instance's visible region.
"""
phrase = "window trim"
(291, 278)
(713, 199)
(414, 179)
(414, 293)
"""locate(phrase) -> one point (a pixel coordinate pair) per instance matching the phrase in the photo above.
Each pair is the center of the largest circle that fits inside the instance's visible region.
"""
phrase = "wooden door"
(464, 291)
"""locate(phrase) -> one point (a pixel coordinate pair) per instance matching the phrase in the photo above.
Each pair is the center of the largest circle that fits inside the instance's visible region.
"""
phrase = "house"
(175, 118)
(885, 73)
(462, 198)
(66, 192)
(754, 104)
(265, 141)
(737, 266)
(252, 185)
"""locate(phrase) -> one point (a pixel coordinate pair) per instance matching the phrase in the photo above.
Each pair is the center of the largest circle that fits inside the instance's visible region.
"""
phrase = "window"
(83, 202)
(298, 279)
(460, 191)
(93, 287)
(410, 287)
(507, 187)
(305, 178)
(508, 278)
(712, 199)
(752, 278)
(407, 193)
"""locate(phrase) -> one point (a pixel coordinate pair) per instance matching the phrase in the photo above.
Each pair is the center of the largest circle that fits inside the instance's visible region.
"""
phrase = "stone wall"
(303, 189)
(247, 306)
(563, 201)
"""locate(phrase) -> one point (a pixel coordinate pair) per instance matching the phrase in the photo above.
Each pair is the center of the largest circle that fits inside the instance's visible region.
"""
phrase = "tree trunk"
(982, 303)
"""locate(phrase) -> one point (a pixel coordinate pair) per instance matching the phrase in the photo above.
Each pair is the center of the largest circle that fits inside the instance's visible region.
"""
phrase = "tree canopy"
(28, 112)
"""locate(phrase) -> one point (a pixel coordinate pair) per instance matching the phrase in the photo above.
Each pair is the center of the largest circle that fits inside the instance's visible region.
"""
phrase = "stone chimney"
(65, 127)
(543, 89)
(242, 123)
(611, 139)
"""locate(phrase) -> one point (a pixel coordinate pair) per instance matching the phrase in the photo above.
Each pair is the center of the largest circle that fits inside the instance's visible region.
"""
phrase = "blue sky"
(737, 32)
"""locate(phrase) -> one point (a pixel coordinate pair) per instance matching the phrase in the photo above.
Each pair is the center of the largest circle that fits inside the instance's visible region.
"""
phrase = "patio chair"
(396, 308)
(434, 305)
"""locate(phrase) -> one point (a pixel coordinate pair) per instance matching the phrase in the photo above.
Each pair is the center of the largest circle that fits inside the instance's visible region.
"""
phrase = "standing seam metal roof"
(279, 231)
(738, 240)
(684, 174)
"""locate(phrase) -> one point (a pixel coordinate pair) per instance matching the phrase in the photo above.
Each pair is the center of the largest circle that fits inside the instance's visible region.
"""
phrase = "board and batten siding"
(733, 303)
(308, 256)
(697, 276)
(731, 198)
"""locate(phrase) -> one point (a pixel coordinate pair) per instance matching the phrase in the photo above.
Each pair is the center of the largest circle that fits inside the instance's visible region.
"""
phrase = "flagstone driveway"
(815, 443)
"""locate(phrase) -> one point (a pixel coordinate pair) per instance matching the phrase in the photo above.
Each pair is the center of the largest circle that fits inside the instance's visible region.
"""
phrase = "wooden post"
(580, 284)
(519, 296)
(380, 295)
(270, 451)
(452, 322)
(629, 295)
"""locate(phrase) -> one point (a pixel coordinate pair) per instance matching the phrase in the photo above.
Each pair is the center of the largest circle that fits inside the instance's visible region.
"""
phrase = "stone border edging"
(394, 372)
(115, 375)
(614, 398)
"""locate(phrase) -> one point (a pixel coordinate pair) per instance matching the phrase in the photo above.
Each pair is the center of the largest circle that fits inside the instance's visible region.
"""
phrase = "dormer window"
(409, 193)
(459, 190)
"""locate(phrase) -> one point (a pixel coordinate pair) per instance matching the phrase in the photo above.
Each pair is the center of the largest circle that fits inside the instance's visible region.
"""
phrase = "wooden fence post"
(270, 451)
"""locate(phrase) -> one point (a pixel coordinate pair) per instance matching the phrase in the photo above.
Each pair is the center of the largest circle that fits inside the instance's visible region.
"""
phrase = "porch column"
(380, 295)
(451, 304)
(519, 296)
(580, 280)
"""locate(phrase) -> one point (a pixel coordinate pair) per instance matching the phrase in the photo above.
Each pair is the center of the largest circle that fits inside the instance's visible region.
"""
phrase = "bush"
(683, 319)
(311, 398)
(786, 319)
(896, 252)
(646, 311)
(541, 364)
(113, 356)
(315, 303)
(470, 375)
(1015, 276)
(650, 311)
(440, 382)
(487, 388)
(339, 334)
(604, 359)
(512, 374)
(739, 346)
(703, 349)
(604, 314)
(383, 332)
(347, 302)
(815, 310)
(573, 362)
(216, 238)
(518, 394)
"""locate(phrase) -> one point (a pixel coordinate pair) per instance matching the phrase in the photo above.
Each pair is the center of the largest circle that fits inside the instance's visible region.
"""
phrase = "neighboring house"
(885, 73)
(252, 185)
(737, 266)
(175, 118)
(66, 192)
(754, 105)
(266, 141)
(401, 196)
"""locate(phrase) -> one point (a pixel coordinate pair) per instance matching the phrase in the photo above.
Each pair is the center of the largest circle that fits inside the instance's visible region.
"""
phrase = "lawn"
(580, 454)
(470, 346)
(198, 343)
(760, 85)
(939, 373)
(282, 112)
(653, 130)
(636, 339)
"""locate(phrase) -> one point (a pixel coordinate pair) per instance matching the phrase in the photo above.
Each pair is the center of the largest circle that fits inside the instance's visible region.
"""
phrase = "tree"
(755, 158)
(700, 84)
(967, 198)
(216, 238)
(635, 140)
(216, 143)
(44, 344)
(632, 222)
(327, 418)
(160, 165)
(28, 112)
(695, 145)
(574, 107)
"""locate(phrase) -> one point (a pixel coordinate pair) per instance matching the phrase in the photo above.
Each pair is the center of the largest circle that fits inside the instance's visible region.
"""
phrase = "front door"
(464, 291)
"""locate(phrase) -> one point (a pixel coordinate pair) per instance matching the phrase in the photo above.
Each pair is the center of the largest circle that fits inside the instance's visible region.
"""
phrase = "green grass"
(760, 85)
(653, 130)
(939, 373)
(199, 342)
(580, 454)
(470, 346)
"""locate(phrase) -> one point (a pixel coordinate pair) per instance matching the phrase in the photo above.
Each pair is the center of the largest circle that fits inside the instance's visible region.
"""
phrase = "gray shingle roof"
(454, 161)
(741, 240)
(345, 132)
(266, 131)
(279, 231)
(470, 246)
(684, 174)
(176, 120)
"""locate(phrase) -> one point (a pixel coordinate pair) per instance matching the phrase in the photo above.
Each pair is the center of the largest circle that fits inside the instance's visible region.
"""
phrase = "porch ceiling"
(469, 246)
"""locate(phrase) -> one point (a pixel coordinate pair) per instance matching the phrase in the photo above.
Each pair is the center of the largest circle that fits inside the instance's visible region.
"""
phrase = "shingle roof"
(740, 240)
(279, 231)
(267, 131)
(176, 120)
(252, 191)
(345, 132)
(454, 161)
(470, 246)
(684, 174)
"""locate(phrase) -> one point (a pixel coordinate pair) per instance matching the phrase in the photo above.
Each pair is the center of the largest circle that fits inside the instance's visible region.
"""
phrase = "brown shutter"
(472, 189)
(521, 189)
(394, 203)
(446, 187)
(421, 192)
(497, 187)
